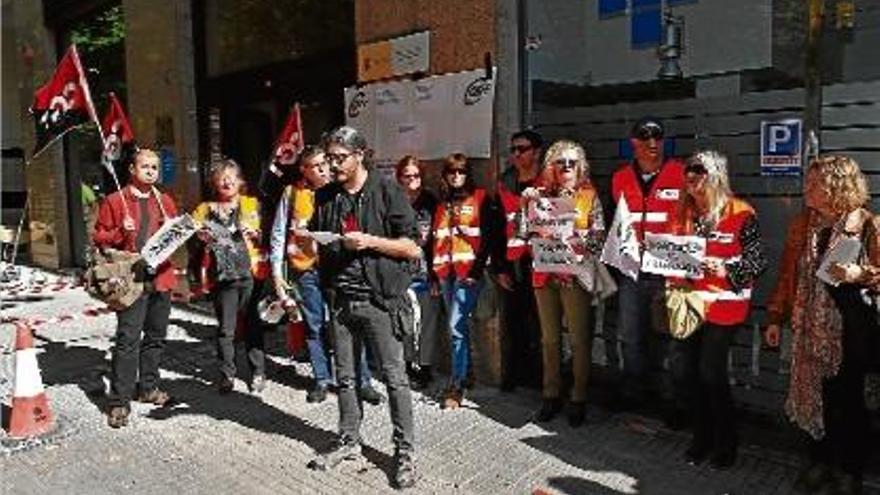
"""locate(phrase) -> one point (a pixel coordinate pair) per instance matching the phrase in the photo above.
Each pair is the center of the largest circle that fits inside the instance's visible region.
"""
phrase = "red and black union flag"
(291, 141)
(63, 103)
(116, 131)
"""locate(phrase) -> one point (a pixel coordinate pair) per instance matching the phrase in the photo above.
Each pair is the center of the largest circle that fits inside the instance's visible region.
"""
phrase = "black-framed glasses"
(649, 131)
(455, 171)
(337, 158)
(520, 148)
(565, 163)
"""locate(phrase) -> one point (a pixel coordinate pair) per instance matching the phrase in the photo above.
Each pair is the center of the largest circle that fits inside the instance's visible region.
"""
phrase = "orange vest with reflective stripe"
(516, 246)
(583, 206)
(457, 235)
(651, 212)
(301, 208)
(724, 305)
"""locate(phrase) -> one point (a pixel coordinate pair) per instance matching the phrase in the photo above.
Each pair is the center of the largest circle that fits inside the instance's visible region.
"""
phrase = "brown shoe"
(452, 399)
(155, 396)
(117, 417)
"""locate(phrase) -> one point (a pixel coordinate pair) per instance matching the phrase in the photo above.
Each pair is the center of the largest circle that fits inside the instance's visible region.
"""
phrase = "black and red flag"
(63, 103)
(290, 142)
(116, 131)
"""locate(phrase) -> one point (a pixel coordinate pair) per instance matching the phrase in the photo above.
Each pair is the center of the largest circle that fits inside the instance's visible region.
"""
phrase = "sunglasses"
(696, 169)
(649, 132)
(455, 171)
(520, 149)
(410, 176)
(565, 163)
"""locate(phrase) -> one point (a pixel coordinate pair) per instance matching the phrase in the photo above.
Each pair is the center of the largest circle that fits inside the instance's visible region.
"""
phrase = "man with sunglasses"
(521, 340)
(650, 185)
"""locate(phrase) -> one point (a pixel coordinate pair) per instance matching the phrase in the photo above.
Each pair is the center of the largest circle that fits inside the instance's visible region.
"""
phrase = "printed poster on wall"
(430, 117)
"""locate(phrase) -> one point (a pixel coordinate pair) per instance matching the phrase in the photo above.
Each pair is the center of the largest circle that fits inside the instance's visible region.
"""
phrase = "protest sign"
(173, 233)
(551, 218)
(674, 255)
(621, 249)
(844, 252)
(558, 256)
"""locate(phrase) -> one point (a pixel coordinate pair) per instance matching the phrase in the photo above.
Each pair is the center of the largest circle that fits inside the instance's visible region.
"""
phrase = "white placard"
(844, 252)
(674, 255)
(551, 218)
(558, 256)
(322, 237)
(621, 249)
(171, 236)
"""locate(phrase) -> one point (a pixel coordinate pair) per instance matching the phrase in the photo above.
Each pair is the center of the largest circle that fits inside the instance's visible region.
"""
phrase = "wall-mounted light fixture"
(670, 50)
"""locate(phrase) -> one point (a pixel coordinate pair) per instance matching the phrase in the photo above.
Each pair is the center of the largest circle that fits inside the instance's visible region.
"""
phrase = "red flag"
(291, 142)
(116, 130)
(63, 103)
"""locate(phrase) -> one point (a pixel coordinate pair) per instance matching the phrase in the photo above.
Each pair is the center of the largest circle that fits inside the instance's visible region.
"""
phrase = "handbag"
(115, 277)
(685, 311)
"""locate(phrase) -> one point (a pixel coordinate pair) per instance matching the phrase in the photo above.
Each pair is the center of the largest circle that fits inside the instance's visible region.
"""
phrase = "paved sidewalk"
(244, 443)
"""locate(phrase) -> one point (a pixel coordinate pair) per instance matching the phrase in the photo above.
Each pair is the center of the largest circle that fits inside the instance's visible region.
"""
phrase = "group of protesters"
(378, 269)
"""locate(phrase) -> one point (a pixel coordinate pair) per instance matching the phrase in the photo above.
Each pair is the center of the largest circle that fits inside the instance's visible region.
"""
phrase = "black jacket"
(383, 210)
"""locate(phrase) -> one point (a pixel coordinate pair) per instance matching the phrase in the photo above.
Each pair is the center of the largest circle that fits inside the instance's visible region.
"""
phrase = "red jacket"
(651, 212)
(109, 232)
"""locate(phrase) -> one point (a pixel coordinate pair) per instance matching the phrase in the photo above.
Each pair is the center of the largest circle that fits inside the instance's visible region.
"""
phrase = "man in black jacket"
(365, 273)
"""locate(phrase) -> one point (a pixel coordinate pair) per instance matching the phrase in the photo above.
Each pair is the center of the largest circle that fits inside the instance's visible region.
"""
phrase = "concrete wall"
(161, 87)
(580, 48)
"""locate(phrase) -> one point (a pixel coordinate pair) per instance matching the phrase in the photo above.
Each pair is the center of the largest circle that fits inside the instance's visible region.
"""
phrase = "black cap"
(647, 127)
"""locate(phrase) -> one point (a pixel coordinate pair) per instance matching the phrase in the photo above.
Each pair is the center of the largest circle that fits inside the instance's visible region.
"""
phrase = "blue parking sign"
(781, 147)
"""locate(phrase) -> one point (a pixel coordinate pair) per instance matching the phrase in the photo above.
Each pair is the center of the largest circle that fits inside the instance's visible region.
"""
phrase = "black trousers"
(135, 358)
(699, 371)
(232, 299)
(521, 358)
(846, 417)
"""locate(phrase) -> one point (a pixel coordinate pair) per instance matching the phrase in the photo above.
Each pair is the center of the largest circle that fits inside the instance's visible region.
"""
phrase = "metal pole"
(813, 72)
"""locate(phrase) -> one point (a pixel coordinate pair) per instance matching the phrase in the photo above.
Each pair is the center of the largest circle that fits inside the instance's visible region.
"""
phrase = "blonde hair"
(717, 185)
(582, 168)
(842, 182)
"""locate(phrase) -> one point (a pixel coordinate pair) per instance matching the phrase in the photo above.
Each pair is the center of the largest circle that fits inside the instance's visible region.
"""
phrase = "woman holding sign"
(734, 259)
(827, 282)
(231, 233)
(572, 224)
(461, 223)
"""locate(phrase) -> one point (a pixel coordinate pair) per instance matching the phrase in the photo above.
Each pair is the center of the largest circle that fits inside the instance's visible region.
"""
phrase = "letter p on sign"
(781, 147)
(779, 134)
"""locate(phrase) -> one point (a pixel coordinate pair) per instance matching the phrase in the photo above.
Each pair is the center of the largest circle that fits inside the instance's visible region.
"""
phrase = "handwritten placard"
(551, 218)
(674, 255)
(173, 233)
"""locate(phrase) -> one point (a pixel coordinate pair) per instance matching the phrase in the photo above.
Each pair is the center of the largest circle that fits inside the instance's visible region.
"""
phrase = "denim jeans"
(133, 359)
(634, 326)
(431, 308)
(460, 299)
(313, 312)
(354, 324)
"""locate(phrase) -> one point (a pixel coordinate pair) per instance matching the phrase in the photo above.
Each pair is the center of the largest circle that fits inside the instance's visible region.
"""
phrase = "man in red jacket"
(126, 219)
(650, 185)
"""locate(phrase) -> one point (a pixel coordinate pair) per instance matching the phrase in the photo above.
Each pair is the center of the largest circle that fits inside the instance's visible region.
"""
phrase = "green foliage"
(105, 30)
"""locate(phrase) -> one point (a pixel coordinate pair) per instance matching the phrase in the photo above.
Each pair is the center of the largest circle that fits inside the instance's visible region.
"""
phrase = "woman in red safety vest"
(733, 261)
(461, 221)
(565, 296)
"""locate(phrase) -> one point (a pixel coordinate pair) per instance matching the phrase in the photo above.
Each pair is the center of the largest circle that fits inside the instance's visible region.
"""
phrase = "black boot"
(549, 409)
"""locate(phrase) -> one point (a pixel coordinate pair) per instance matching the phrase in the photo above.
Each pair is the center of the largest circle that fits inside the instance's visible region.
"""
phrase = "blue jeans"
(313, 312)
(634, 325)
(460, 302)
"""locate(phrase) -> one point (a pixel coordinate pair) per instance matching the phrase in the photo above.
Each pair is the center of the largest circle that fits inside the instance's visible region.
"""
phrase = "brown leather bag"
(114, 278)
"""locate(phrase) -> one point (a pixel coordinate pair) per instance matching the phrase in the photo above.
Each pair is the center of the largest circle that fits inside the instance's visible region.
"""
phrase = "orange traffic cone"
(30, 414)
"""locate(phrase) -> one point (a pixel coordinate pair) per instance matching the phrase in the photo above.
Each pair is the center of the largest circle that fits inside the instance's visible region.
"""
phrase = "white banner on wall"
(431, 117)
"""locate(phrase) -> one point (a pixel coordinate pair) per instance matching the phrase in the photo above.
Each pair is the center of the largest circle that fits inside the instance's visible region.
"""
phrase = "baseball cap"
(646, 128)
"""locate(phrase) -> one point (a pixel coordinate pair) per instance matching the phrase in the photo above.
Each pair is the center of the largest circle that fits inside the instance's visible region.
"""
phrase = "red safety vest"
(457, 235)
(651, 212)
(516, 246)
(724, 305)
